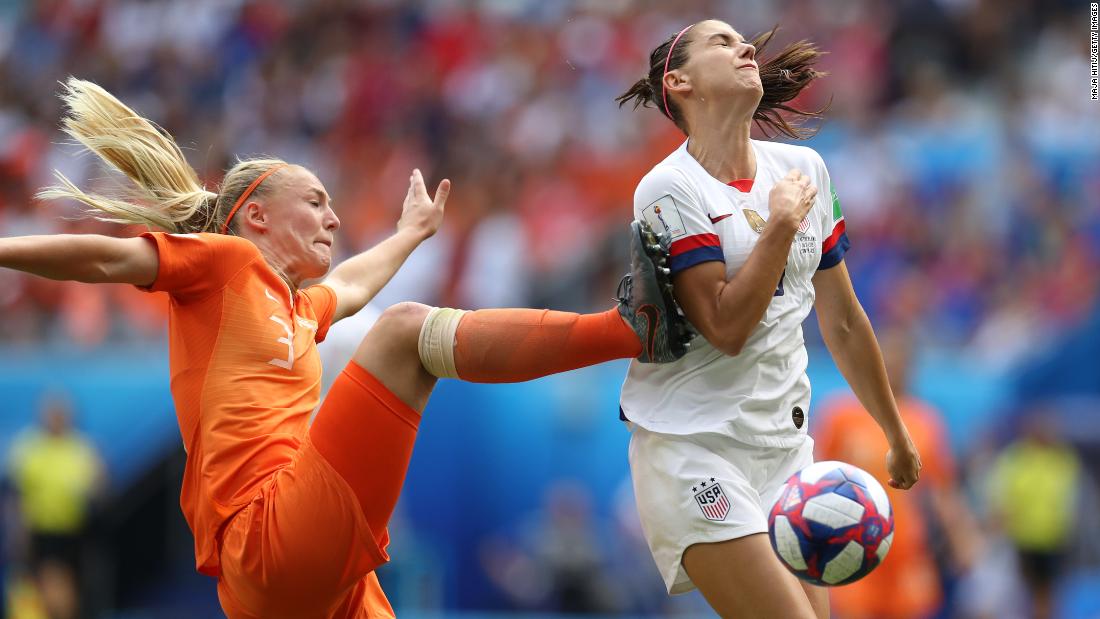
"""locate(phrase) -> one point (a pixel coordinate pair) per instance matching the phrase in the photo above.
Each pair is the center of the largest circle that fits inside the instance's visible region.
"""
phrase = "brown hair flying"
(783, 77)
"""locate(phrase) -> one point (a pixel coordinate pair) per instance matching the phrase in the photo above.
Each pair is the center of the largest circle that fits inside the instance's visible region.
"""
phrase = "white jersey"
(762, 395)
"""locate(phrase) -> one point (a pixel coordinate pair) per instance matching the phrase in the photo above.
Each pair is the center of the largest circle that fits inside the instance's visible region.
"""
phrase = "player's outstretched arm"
(726, 312)
(357, 279)
(89, 258)
(851, 341)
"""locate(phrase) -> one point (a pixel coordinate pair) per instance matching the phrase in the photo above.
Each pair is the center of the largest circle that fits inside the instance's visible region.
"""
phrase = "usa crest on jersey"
(712, 501)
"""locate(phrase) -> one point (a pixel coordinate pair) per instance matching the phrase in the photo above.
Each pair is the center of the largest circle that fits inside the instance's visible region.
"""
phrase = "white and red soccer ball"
(832, 524)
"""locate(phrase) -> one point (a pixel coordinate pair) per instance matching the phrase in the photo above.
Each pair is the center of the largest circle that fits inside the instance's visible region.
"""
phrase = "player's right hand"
(903, 464)
(790, 200)
(420, 213)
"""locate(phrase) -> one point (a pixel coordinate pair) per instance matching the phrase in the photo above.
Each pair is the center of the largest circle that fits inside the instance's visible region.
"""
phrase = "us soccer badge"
(712, 500)
(756, 222)
(663, 215)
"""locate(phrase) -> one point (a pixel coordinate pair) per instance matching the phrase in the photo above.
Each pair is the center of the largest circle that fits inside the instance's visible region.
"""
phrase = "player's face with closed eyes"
(721, 63)
(303, 223)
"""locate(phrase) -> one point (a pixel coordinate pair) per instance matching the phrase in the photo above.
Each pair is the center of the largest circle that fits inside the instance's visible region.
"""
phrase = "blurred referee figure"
(57, 474)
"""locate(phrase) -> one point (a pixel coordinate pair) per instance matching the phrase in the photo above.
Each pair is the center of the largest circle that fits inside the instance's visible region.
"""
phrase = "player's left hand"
(420, 213)
(903, 464)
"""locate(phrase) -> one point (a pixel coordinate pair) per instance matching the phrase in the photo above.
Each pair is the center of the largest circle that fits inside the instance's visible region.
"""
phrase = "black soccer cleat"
(646, 301)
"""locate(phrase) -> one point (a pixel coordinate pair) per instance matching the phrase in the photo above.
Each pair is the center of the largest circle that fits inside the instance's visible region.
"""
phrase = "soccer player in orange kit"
(907, 584)
(291, 517)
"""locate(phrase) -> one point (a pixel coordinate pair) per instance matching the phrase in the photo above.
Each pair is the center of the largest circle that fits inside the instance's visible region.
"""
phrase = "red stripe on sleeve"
(830, 242)
(689, 243)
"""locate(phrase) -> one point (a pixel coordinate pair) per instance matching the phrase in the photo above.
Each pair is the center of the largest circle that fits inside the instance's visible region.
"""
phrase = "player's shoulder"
(220, 243)
(790, 155)
(226, 240)
(669, 175)
(317, 293)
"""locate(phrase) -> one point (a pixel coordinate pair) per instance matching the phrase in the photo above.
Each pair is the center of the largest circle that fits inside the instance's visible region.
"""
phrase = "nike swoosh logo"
(652, 319)
(719, 218)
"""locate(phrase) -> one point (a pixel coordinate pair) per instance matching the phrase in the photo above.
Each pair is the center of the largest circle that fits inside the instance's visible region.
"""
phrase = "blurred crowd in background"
(956, 140)
(960, 138)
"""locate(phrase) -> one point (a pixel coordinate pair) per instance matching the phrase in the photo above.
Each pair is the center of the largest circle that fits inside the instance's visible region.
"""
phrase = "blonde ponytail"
(168, 194)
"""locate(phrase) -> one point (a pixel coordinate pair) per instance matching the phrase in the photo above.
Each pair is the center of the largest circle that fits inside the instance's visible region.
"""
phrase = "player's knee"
(398, 328)
(404, 319)
(391, 354)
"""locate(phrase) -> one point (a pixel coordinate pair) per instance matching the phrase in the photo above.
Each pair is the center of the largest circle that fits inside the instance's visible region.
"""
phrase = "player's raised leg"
(742, 578)
(323, 524)
(511, 345)
(389, 353)
(370, 444)
(368, 423)
(394, 370)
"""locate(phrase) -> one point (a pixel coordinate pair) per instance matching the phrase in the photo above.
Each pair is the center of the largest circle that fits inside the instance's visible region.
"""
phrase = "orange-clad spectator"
(907, 584)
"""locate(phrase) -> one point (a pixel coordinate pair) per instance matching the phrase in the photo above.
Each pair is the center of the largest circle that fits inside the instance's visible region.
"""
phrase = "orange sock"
(513, 345)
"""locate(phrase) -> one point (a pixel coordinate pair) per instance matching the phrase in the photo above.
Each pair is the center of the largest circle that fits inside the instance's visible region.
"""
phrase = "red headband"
(664, 95)
(248, 192)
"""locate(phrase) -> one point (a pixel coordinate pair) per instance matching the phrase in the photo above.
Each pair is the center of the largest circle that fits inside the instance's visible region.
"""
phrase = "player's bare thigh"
(743, 578)
(389, 352)
(819, 598)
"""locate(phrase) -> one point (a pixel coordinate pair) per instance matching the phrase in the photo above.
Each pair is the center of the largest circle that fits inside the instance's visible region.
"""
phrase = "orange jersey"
(906, 584)
(245, 374)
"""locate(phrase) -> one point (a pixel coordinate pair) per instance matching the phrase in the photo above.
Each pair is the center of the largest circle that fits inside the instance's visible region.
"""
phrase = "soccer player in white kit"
(757, 239)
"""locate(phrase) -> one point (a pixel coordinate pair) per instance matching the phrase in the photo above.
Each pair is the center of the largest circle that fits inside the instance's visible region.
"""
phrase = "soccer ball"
(832, 524)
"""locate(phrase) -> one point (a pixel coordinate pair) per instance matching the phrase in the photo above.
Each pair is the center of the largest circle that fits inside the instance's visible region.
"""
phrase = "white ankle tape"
(437, 341)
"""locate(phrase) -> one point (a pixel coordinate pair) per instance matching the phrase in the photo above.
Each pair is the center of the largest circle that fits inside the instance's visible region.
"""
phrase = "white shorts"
(704, 488)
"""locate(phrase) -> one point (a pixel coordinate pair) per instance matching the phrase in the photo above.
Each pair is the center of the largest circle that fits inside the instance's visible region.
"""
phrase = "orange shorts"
(305, 547)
